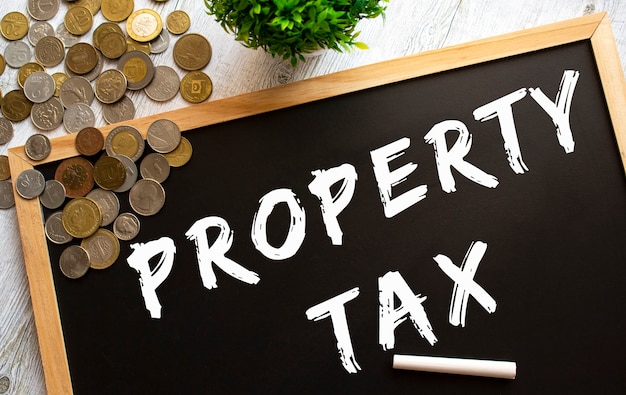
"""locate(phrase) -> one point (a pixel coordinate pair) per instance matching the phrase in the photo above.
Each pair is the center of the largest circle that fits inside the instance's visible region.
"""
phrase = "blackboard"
(548, 213)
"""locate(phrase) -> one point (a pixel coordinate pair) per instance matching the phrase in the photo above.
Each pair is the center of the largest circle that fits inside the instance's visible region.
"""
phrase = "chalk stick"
(471, 367)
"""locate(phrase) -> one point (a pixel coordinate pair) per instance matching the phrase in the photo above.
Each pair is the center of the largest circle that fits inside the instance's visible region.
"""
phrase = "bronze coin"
(89, 141)
(109, 173)
(76, 175)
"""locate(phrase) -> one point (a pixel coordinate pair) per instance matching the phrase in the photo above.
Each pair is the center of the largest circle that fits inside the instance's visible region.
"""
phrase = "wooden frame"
(595, 28)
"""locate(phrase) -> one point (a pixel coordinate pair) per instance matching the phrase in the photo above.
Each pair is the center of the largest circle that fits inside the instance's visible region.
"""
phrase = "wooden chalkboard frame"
(595, 28)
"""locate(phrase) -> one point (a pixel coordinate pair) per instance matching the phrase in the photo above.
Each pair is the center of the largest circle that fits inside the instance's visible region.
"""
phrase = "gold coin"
(102, 30)
(26, 70)
(81, 58)
(113, 45)
(109, 173)
(196, 87)
(14, 26)
(59, 79)
(78, 20)
(16, 106)
(144, 25)
(178, 22)
(181, 154)
(3, 64)
(103, 248)
(192, 52)
(5, 170)
(81, 217)
(92, 5)
(133, 45)
(117, 10)
(76, 175)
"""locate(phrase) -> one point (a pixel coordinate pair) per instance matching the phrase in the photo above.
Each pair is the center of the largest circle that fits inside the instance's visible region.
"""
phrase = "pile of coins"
(66, 97)
(92, 183)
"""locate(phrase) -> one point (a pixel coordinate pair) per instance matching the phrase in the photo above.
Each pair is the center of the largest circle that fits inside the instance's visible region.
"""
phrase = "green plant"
(290, 28)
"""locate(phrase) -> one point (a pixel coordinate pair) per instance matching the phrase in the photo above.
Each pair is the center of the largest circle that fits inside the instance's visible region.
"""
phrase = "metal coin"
(81, 217)
(5, 169)
(6, 130)
(25, 71)
(121, 110)
(125, 140)
(68, 38)
(147, 197)
(126, 226)
(55, 232)
(92, 5)
(163, 136)
(15, 106)
(181, 155)
(30, 184)
(39, 30)
(102, 30)
(89, 141)
(192, 52)
(47, 115)
(59, 79)
(3, 64)
(133, 45)
(160, 43)
(7, 200)
(110, 86)
(196, 87)
(113, 45)
(50, 51)
(14, 26)
(178, 22)
(76, 90)
(138, 69)
(116, 10)
(144, 25)
(103, 248)
(17, 54)
(53, 195)
(76, 175)
(155, 166)
(78, 20)
(131, 173)
(81, 58)
(165, 84)
(39, 87)
(42, 10)
(108, 202)
(77, 117)
(109, 172)
(37, 147)
(74, 262)
(90, 76)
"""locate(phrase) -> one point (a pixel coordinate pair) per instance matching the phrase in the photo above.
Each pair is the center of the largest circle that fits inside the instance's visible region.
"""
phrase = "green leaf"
(361, 45)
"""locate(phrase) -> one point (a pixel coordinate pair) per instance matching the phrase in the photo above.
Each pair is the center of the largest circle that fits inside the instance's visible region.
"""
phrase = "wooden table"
(410, 27)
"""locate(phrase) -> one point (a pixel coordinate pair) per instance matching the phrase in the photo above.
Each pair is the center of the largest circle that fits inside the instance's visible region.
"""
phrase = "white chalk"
(471, 367)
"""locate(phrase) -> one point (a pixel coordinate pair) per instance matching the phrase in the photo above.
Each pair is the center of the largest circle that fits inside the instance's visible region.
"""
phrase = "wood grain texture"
(410, 27)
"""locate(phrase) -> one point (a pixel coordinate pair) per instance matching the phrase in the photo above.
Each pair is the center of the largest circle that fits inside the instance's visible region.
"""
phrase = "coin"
(39, 87)
(50, 51)
(160, 43)
(155, 166)
(26, 70)
(68, 38)
(92, 5)
(77, 117)
(181, 155)
(144, 25)
(125, 140)
(121, 110)
(192, 52)
(113, 45)
(30, 184)
(78, 20)
(147, 197)
(15, 106)
(55, 232)
(91, 75)
(178, 22)
(39, 30)
(59, 79)
(47, 115)
(6, 130)
(165, 84)
(108, 202)
(102, 30)
(126, 226)
(103, 248)
(76, 175)
(81, 58)
(81, 217)
(14, 26)
(37, 147)
(7, 200)
(5, 170)
(117, 10)
(109, 172)
(138, 69)
(89, 141)
(74, 262)
(110, 86)
(196, 87)
(133, 45)
(2, 64)
(43, 10)
(53, 195)
(163, 136)
(131, 173)
(17, 54)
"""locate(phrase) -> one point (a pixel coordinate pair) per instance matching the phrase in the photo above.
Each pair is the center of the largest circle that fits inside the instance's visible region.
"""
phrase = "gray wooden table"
(411, 26)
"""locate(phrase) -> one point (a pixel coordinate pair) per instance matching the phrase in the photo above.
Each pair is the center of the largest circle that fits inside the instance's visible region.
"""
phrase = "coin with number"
(37, 147)
(74, 262)
(126, 226)
(76, 175)
(16, 106)
(109, 173)
(39, 87)
(103, 248)
(14, 26)
(30, 184)
(78, 20)
(43, 10)
(117, 10)
(17, 54)
(81, 217)
(55, 232)
(147, 197)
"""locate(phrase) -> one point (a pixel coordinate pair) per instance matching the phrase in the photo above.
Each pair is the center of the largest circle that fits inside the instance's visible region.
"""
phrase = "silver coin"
(68, 38)
(165, 84)
(161, 43)
(77, 117)
(47, 115)
(74, 262)
(155, 166)
(39, 30)
(110, 86)
(126, 226)
(49, 51)
(133, 141)
(120, 111)
(53, 195)
(30, 184)
(76, 90)
(7, 200)
(146, 197)
(131, 173)
(163, 136)
(95, 72)
(55, 232)
(108, 202)
(136, 82)
(6, 130)
(17, 54)
(37, 147)
(43, 10)
(39, 87)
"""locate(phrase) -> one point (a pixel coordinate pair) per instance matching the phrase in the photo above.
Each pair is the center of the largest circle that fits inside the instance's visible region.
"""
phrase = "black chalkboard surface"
(455, 214)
